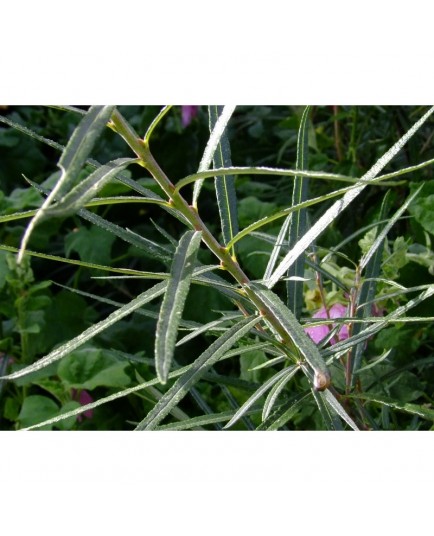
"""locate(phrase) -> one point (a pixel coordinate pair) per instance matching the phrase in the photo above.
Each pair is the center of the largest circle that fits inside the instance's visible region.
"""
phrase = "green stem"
(24, 336)
(337, 134)
(141, 148)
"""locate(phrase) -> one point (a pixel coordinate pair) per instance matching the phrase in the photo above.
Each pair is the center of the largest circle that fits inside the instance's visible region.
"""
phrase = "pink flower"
(84, 398)
(187, 114)
(317, 333)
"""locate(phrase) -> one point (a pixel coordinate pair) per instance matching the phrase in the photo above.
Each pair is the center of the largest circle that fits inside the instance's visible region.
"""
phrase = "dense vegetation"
(128, 304)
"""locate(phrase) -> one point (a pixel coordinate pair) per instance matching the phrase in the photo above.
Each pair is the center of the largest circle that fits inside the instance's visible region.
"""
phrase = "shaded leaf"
(37, 408)
(88, 368)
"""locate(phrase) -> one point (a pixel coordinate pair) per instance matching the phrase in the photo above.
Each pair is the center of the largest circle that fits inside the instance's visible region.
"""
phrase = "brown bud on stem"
(321, 381)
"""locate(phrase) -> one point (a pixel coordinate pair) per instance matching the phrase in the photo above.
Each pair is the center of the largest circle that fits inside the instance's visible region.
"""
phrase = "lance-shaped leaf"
(256, 395)
(224, 185)
(367, 292)
(211, 147)
(329, 417)
(336, 407)
(382, 235)
(81, 143)
(276, 390)
(152, 248)
(339, 206)
(298, 219)
(202, 420)
(214, 325)
(278, 243)
(297, 334)
(83, 192)
(71, 162)
(174, 300)
(413, 409)
(202, 364)
(284, 413)
(74, 343)
(212, 377)
(155, 122)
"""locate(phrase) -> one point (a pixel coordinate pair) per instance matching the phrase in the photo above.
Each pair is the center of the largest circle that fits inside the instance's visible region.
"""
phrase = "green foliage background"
(37, 312)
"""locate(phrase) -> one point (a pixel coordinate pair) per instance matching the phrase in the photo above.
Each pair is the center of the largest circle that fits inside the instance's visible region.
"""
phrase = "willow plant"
(262, 316)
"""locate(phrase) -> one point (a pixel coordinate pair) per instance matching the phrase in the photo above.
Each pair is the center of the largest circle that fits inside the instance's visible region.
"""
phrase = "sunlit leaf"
(174, 300)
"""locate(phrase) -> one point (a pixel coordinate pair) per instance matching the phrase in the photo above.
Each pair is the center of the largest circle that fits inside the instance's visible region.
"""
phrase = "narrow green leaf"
(338, 409)
(235, 406)
(203, 405)
(353, 236)
(224, 185)
(270, 363)
(211, 147)
(31, 133)
(186, 324)
(152, 248)
(176, 412)
(382, 357)
(281, 213)
(134, 185)
(339, 206)
(329, 417)
(384, 231)
(298, 220)
(284, 413)
(409, 169)
(74, 343)
(164, 233)
(197, 370)
(174, 300)
(208, 327)
(87, 189)
(368, 290)
(302, 341)
(202, 420)
(133, 273)
(278, 244)
(256, 395)
(71, 162)
(276, 390)
(155, 122)
(208, 376)
(205, 173)
(413, 409)
(80, 145)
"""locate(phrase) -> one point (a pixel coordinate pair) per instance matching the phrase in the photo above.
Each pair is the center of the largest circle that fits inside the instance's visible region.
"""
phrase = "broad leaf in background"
(88, 368)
